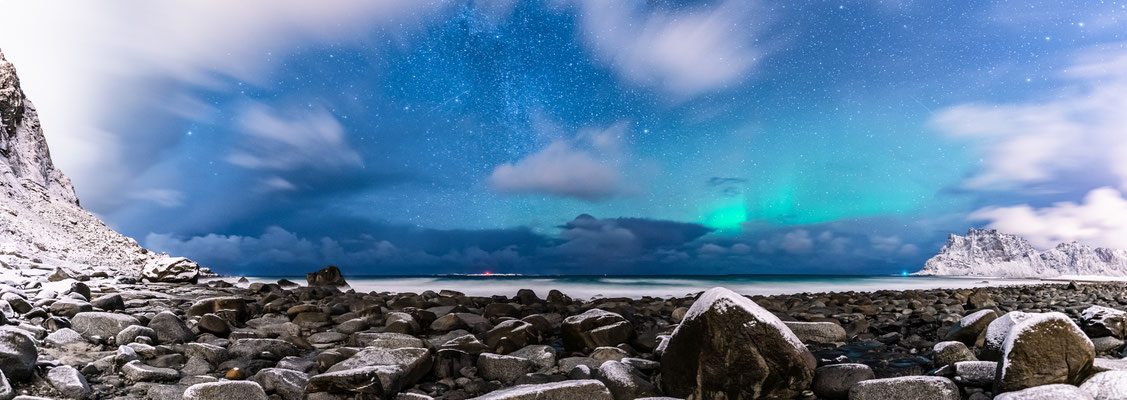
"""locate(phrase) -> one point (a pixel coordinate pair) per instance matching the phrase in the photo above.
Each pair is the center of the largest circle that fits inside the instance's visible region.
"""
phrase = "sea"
(602, 286)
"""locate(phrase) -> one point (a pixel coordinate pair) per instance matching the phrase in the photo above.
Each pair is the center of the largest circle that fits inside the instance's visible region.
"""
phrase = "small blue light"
(903, 273)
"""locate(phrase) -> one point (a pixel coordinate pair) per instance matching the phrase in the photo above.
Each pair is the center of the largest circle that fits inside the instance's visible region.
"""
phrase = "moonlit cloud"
(682, 52)
(1100, 220)
(293, 139)
(589, 169)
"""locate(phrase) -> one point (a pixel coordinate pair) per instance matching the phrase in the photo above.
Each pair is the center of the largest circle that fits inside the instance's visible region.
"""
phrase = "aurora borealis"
(582, 136)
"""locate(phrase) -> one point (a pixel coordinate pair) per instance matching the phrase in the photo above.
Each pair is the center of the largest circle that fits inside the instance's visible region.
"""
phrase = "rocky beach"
(120, 338)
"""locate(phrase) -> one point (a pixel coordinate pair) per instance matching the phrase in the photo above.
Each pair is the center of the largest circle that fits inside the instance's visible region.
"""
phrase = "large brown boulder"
(328, 276)
(728, 347)
(997, 332)
(1044, 349)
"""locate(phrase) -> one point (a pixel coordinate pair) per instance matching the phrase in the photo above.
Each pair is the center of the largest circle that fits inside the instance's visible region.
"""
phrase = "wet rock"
(1044, 349)
(170, 269)
(328, 276)
(729, 346)
(833, 381)
(595, 328)
(69, 382)
(906, 387)
(225, 390)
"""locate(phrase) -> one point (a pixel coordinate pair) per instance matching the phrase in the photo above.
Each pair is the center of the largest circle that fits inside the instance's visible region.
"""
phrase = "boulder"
(231, 308)
(101, 324)
(135, 371)
(543, 356)
(109, 302)
(950, 352)
(171, 270)
(506, 369)
(132, 332)
(69, 382)
(67, 338)
(287, 384)
(1103, 321)
(1046, 392)
(623, 381)
(971, 329)
(1107, 344)
(587, 389)
(996, 333)
(253, 348)
(729, 346)
(363, 380)
(595, 328)
(817, 332)
(69, 307)
(833, 381)
(1109, 385)
(225, 390)
(906, 387)
(18, 354)
(411, 364)
(170, 329)
(976, 373)
(328, 276)
(1044, 349)
(511, 335)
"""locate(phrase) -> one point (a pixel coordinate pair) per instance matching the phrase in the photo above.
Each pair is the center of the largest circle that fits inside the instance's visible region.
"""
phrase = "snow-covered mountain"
(986, 252)
(42, 225)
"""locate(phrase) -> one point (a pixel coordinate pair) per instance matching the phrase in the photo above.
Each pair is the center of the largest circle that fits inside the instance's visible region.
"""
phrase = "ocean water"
(587, 287)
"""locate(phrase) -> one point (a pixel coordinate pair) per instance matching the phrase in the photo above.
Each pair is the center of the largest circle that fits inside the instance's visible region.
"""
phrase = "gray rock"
(411, 364)
(817, 332)
(252, 348)
(543, 356)
(1107, 344)
(595, 328)
(385, 340)
(170, 329)
(623, 382)
(506, 369)
(135, 371)
(1103, 321)
(604, 354)
(69, 382)
(363, 380)
(101, 324)
(1110, 385)
(109, 302)
(971, 329)
(225, 390)
(286, 383)
(976, 373)
(328, 276)
(6, 391)
(906, 387)
(132, 332)
(1044, 349)
(212, 353)
(69, 307)
(568, 363)
(197, 366)
(950, 352)
(67, 338)
(1046, 392)
(18, 354)
(833, 381)
(587, 389)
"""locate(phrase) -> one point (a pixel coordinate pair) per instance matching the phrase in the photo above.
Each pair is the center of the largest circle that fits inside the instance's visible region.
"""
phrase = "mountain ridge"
(987, 252)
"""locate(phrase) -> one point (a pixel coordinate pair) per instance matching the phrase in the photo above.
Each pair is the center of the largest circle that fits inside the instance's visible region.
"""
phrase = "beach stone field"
(101, 337)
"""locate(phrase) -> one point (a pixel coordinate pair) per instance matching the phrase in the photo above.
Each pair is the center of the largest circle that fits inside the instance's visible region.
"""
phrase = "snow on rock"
(1046, 392)
(1110, 385)
(729, 346)
(997, 331)
(42, 226)
(1044, 349)
(566, 390)
(905, 387)
(1103, 321)
(171, 269)
(986, 252)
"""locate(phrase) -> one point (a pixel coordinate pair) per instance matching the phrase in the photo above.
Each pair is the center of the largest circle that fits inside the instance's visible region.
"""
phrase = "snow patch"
(722, 300)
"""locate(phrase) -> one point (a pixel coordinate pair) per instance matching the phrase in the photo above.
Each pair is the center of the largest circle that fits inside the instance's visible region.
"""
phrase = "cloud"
(292, 140)
(590, 237)
(93, 69)
(1100, 220)
(588, 169)
(682, 52)
(1076, 135)
(168, 198)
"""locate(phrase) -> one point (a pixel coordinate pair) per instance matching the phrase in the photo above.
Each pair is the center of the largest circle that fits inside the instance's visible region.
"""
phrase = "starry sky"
(583, 136)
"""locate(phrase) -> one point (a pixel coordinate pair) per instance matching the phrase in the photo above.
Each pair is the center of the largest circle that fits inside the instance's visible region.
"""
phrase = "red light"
(488, 273)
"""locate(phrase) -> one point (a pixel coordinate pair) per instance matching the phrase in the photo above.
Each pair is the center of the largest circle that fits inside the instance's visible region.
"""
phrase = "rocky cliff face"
(42, 226)
(990, 253)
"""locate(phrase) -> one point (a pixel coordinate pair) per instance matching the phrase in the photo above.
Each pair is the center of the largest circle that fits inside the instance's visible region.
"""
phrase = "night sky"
(583, 136)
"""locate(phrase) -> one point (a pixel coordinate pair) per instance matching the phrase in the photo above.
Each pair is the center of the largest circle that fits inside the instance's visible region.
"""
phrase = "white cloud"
(91, 68)
(685, 53)
(293, 140)
(1077, 132)
(588, 169)
(797, 241)
(1100, 220)
(164, 197)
